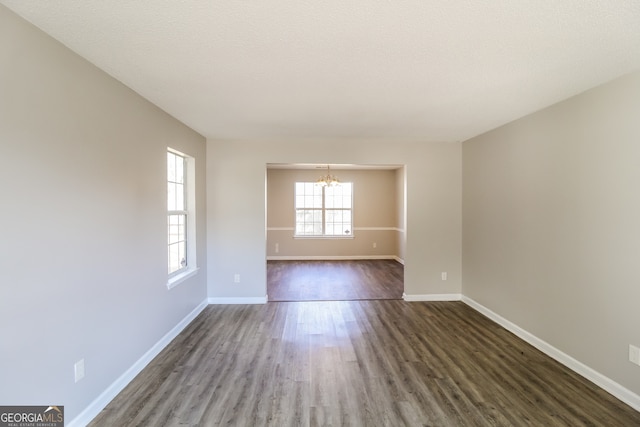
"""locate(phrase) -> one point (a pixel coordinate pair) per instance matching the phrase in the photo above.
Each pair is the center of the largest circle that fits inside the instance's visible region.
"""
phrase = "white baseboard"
(331, 257)
(607, 384)
(431, 297)
(94, 408)
(238, 300)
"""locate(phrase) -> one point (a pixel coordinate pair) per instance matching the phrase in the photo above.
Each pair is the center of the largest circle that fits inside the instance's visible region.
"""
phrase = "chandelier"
(328, 180)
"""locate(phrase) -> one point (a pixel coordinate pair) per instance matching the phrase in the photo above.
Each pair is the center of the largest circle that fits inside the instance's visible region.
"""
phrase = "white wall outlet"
(634, 354)
(236, 278)
(277, 247)
(78, 370)
(443, 275)
(375, 245)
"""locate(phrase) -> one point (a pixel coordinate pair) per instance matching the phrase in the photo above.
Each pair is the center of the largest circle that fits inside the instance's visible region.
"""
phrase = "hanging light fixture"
(328, 179)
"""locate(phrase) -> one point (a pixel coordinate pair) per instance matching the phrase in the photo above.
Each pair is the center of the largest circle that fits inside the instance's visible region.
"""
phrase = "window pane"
(179, 197)
(308, 195)
(328, 200)
(346, 202)
(182, 254)
(338, 222)
(175, 182)
(309, 187)
(177, 257)
(339, 196)
(171, 196)
(308, 201)
(177, 228)
(179, 169)
(173, 234)
(171, 167)
(308, 222)
(173, 258)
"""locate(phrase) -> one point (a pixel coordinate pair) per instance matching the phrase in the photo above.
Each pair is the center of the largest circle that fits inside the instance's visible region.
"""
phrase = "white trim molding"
(237, 300)
(375, 229)
(606, 383)
(431, 297)
(94, 408)
(179, 278)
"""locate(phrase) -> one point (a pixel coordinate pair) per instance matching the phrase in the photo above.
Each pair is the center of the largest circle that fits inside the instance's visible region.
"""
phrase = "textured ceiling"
(440, 70)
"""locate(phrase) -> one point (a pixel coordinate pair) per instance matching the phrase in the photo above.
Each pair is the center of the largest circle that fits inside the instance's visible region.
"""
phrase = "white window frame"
(191, 267)
(323, 209)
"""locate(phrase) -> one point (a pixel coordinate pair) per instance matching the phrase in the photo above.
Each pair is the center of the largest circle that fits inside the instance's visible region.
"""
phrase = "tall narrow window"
(177, 212)
(323, 211)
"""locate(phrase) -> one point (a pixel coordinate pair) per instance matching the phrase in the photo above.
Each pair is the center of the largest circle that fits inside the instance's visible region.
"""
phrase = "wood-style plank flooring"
(357, 363)
(334, 280)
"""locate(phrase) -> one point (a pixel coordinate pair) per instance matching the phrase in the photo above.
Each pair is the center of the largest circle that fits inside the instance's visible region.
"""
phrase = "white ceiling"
(439, 70)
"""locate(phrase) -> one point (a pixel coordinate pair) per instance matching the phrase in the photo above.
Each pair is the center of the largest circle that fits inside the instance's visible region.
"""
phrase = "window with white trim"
(177, 212)
(324, 211)
(181, 218)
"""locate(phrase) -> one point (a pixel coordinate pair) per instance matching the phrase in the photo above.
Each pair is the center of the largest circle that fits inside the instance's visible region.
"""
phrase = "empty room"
(159, 158)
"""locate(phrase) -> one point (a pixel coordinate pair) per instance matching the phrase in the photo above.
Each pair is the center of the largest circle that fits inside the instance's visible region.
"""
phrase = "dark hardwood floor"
(334, 280)
(357, 363)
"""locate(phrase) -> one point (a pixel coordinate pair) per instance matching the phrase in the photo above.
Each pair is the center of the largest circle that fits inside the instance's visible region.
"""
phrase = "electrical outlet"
(444, 275)
(375, 245)
(236, 278)
(634, 354)
(277, 247)
(78, 369)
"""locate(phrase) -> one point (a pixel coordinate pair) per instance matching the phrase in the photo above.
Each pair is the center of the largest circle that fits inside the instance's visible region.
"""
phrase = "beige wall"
(83, 248)
(551, 226)
(236, 173)
(374, 216)
(401, 211)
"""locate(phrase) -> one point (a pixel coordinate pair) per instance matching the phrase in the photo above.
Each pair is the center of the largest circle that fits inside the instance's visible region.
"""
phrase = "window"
(323, 211)
(177, 212)
(180, 217)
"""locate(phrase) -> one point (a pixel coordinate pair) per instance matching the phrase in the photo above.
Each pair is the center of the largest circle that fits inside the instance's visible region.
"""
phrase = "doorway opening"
(308, 260)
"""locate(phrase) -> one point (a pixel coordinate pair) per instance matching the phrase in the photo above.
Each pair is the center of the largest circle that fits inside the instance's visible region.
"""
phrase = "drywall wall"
(236, 208)
(374, 216)
(401, 211)
(551, 226)
(83, 249)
